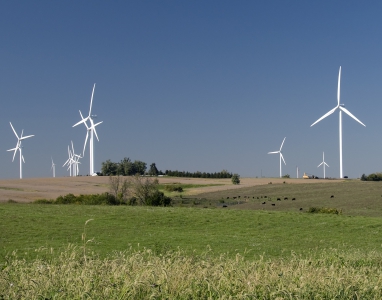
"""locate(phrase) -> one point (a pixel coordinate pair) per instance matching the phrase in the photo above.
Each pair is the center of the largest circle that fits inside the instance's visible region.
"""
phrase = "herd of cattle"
(265, 197)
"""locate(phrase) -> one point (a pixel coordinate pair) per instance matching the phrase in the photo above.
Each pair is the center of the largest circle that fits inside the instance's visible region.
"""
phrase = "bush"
(173, 188)
(372, 177)
(235, 179)
(286, 176)
(324, 210)
(158, 199)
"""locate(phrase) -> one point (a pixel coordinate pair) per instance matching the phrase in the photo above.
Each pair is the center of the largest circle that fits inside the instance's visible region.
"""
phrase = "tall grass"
(144, 274)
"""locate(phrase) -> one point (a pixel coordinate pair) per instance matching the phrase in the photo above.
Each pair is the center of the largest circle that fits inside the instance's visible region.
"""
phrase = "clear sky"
(192, 85)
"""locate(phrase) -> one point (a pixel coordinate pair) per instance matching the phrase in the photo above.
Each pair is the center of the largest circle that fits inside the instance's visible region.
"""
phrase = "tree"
(143, 188)
(126, 167)
(153, 170)
(119, 188)
(235, 179)
(139, 167)
(109, 168)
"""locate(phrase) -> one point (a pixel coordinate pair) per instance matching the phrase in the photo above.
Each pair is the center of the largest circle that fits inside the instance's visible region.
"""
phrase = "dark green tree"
(153, 171)
(235, 179)
(109, 168)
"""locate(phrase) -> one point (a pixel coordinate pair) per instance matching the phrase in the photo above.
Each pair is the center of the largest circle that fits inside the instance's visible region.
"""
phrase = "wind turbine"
(53, 168)
(69, 162)
(19, 147)
(92, 131)
(75, 161)
(341, 108)
(323, 163)
(281, 155)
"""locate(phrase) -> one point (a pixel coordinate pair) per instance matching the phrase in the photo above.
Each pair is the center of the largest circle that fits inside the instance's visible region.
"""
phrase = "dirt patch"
(28, 190)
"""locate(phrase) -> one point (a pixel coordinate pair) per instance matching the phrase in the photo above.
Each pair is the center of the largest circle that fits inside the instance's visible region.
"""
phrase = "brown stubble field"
(30, 189)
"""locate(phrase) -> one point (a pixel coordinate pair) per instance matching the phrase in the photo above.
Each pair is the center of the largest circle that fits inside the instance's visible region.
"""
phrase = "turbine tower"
(92, 131)
(341, 108)
(323, 163)
(53, 168)
(281, 155)
(19, 147)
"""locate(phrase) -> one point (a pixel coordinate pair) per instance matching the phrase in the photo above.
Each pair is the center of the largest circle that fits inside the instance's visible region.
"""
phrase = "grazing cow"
(332, 196)
(263, 203)
(227, 197)
(300, 208)
(224, 205)
(234, 197)
(265, 196)
(285, 198)
(293, 198)
(273, 204)
(278, 199)
(238, 197)
(257, 197)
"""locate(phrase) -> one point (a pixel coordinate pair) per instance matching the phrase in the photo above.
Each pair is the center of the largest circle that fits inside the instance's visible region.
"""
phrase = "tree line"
(127, 167)
(372, 177)
(222, 174)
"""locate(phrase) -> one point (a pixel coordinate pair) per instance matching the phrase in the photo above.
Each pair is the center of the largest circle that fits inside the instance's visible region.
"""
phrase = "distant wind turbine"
(341, 108)
(92, 131)
(323, 163)
(281, 155)
(53, 168)
(19, 147)
(69, 162)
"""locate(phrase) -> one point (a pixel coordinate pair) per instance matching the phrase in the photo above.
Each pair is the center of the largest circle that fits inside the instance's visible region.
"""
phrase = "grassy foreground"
(176, 275)
(26, 227)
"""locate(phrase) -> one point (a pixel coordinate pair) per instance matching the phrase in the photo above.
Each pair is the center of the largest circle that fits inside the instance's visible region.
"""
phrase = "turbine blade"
(86, 139)
(320, 164)
(282, 143)
(72, 147)
(94, 130)
(326, 164)
(14, 130)
(325, 115)
(339, 86)
(282, 158)
(22, 157)
(83, 120)
(274, 152)
(26, 137)
(22, 132)
(91, 101)
(14, 154)
(351, 115)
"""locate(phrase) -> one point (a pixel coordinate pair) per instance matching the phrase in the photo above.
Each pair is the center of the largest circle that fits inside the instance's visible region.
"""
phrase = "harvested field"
(30, 189)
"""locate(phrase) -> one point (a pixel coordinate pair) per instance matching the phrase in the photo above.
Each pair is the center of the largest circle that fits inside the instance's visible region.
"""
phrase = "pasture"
(246, 249)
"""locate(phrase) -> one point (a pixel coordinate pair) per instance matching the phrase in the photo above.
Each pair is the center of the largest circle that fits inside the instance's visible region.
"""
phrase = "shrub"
(324, 210)
(158, 199)
(235, 179)
(173, 188)
(286, 176)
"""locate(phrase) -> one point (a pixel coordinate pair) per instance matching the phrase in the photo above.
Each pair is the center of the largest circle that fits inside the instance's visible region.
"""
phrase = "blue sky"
(195, 86)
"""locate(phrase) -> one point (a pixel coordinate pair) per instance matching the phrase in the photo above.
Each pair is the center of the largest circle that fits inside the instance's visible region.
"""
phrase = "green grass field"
(275, 235)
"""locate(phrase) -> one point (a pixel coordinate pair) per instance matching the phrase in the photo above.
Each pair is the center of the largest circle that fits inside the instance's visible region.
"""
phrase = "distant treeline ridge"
(222, 174)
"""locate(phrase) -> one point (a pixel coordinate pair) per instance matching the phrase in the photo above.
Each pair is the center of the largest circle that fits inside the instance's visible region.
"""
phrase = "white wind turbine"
(92, 131)
(19, 147)
(75, 161)
(69, 162)
(323, 163)
(281, 155)
(341, 108)
(53, 168)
